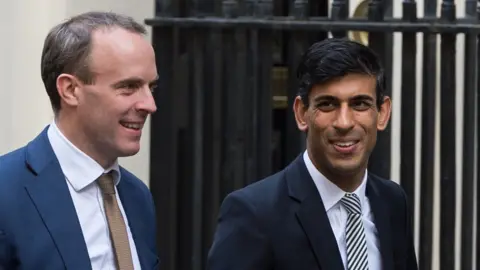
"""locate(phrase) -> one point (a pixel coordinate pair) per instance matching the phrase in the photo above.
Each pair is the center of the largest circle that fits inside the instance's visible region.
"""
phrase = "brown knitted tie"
(116, 224)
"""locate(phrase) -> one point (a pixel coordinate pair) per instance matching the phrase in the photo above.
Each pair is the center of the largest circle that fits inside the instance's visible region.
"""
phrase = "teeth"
(345, 144)
(132, 126)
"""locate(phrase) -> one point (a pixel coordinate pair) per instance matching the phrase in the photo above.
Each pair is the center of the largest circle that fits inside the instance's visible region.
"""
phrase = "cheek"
(367, 120)
(320, 121)
(92, 103)
(318, 129)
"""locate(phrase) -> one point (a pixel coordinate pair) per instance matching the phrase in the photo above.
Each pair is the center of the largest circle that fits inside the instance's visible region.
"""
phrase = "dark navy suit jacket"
(39, 228)
(280, 223)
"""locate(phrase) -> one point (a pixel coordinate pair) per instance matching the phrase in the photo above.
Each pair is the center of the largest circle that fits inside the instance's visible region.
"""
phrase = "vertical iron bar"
(250, 91)
(265, 100)
(468, 170)
(163, 149)
(238, 146)
(339, 13)
(249, 7)
(264, 104)
(183, 89)
(230, 10)
(213, 130)
(234, 121)
(163, 177)
(380, 158)
(197, 120)
(408, 118)
(218, 6)
(297, 42)
(166, 7)
(447, 142)
(477, 245)
(300, 9)
(427, 168)
(319, 8)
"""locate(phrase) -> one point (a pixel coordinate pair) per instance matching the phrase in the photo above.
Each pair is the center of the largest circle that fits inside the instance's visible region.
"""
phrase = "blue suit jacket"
(39, 228)
(280, 223)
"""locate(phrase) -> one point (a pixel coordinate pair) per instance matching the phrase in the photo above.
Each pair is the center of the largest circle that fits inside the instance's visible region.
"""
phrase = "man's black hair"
(332, 59)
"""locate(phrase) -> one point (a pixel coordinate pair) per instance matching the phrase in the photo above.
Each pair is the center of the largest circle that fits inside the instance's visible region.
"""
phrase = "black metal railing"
(224, 119)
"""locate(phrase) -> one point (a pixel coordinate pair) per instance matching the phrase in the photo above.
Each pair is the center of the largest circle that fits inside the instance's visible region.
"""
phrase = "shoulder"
(12, 160)
(13, 168)
(13, 175)
(263, 188)
(261, 196)
(390, 192)
(135, 186)
(386, 185)
(133, 180)
(138, 192)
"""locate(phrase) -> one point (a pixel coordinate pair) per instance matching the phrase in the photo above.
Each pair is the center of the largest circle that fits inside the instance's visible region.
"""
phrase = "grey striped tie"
(357, 255)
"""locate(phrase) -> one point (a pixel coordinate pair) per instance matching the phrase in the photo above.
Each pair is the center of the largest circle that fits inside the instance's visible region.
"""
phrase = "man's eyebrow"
(323, 97)
(330, 98)
(363, 97)
(154, 81)
(133, 80)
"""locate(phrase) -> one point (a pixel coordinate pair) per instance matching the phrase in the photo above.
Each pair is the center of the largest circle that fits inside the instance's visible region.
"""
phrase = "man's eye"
(361, 105)
(131, 86)
(326, 106)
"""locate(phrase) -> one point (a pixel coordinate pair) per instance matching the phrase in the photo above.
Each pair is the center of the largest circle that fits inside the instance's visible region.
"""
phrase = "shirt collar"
(80, 170)
(330, 193)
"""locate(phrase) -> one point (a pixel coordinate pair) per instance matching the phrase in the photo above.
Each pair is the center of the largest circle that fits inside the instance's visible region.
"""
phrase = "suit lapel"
(130, 198)
(316, 225)
(49, 193)
(312, 216)
(382, 222)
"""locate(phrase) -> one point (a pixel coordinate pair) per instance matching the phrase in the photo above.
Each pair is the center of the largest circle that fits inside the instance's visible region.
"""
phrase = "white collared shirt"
(81, 172)
(331, 195)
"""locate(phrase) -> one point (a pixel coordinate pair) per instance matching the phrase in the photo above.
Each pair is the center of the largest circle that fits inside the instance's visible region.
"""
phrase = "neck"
(346, 181)
(68, 128)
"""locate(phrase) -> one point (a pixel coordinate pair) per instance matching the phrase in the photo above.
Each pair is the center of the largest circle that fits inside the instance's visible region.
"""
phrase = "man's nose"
(344, 119)
(147, 102)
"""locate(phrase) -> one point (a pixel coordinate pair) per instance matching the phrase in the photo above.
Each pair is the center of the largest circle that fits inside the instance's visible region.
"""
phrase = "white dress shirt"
(331, 195)
(81, 172)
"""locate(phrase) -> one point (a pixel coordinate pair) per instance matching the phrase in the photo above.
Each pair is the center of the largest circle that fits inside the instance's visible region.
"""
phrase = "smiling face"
(105, 118)
(341, 122)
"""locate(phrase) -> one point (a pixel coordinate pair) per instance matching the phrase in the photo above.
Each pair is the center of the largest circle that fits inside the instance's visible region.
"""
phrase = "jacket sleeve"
(240, 242)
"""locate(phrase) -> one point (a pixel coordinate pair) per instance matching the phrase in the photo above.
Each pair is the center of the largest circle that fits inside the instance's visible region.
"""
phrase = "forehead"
(346, 87)
(121, 52)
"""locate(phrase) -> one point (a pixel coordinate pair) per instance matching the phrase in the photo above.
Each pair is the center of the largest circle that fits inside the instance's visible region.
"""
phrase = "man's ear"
(300, 111)
(384, 113)
(66, 86)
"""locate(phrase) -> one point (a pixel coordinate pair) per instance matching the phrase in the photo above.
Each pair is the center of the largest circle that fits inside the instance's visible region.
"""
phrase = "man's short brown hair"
(68, 45)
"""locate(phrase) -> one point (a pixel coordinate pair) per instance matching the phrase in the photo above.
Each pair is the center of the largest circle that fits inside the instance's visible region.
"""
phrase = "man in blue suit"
(65, 203)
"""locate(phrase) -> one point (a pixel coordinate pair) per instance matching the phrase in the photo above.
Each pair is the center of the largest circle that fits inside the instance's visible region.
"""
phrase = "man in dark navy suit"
(65, 202)
(324, 210)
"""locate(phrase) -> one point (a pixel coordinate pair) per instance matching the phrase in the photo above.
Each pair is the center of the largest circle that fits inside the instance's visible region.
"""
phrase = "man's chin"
(129, 150)
(347, 167)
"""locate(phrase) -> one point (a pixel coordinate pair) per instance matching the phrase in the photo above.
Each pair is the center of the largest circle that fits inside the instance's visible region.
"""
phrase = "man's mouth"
(345, 144)
(132, 125)
(345, 147)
